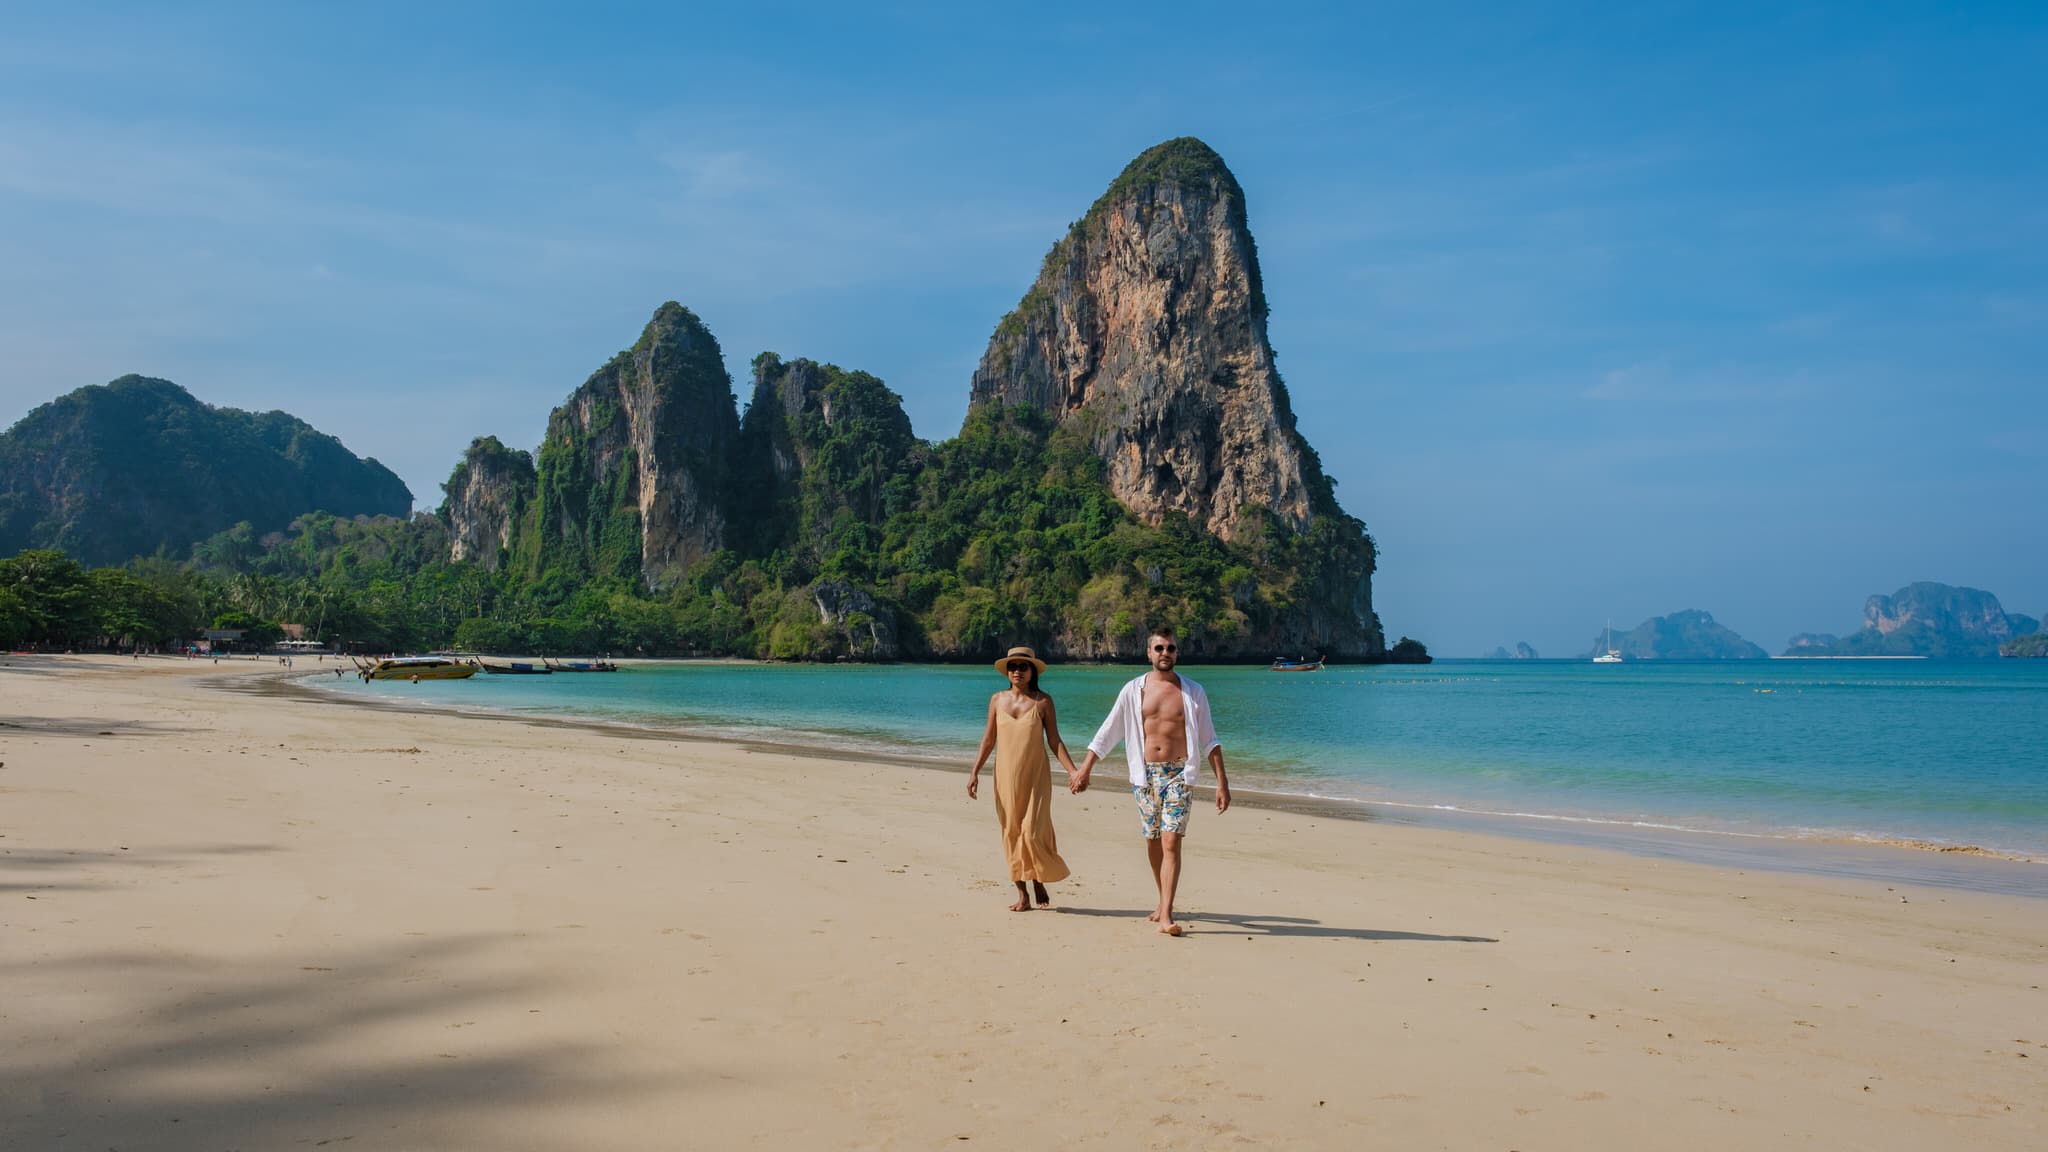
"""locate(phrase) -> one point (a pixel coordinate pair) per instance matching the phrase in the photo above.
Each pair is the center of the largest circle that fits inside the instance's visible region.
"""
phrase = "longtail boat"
(582, 666)
(418, 668)
(1281, 664)
(516, 668)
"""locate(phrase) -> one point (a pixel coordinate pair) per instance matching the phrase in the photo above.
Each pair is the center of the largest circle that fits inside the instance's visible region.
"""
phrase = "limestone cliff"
(1146, 331)
(816, 438)
(1149, 316)
(632, 478)
(486, 493)
(1929, 619)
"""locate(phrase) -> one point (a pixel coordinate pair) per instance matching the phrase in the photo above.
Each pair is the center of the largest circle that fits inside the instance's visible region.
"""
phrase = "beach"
(236, 917)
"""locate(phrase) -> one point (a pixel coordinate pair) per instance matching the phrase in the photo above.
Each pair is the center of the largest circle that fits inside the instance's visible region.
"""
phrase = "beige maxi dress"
(1024, 798)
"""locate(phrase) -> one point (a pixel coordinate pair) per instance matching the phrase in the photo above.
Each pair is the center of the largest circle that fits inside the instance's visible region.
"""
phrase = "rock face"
(1146, 332)
(816, 438)
(1688, 635)
(486, 494)
(1929, 619)
(1522, 652)
(632, 478)
(123, 469)
(1148, 320)
(871, 626)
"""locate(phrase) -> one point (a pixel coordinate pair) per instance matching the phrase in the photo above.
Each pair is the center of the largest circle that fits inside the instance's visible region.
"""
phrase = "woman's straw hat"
(1017, 654)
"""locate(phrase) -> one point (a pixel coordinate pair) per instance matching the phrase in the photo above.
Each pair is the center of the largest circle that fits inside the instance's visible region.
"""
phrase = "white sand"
(230, 921)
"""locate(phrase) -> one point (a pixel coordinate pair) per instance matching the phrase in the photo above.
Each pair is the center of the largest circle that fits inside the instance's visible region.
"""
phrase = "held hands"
(1077, 780)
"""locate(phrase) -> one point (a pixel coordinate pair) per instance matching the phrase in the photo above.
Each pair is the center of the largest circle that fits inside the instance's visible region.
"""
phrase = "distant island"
(1926, 619)
(1687, 635)
(1522, 652)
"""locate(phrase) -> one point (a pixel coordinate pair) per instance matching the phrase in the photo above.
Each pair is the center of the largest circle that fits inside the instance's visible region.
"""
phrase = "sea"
(1913, 770)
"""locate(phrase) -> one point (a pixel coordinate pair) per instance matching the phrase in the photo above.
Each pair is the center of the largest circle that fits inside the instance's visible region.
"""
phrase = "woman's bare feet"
(1044, 897)
(1023, 903)
(1171, 929)
(1154, 917)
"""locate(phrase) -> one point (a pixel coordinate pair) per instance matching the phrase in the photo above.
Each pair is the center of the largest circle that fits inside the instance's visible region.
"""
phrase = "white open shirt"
(1126, 724)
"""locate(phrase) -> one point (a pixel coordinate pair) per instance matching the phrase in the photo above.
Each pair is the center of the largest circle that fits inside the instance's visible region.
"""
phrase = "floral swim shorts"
(1163, 799)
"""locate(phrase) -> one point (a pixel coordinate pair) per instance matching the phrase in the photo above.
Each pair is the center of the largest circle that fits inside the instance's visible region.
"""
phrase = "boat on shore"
(581, 666)
(417, 668)
(515, 668)
(1282, 664)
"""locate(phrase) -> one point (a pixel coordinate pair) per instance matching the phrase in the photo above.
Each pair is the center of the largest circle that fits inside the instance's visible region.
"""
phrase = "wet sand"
(235, 920)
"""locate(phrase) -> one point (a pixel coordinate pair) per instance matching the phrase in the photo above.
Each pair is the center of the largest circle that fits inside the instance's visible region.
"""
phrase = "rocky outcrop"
(868, 626)
(486, 494)
(816, 438)
(1522, 651)
(126, 469)
(1929, 619)
(1148, 321)
(1145, 333)
(1687, 635)
(632, 479)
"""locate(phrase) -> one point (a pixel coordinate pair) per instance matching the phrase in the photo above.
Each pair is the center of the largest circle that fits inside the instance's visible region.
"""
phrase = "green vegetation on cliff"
(1006, 534)
(2035, 645)
(139, 466)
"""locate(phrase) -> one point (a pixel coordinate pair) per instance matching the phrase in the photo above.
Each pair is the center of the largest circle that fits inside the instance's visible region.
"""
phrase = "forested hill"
(119, 470)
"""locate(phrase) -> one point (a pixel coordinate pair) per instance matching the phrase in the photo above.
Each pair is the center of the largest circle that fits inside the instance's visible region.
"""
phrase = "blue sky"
(1591, 313)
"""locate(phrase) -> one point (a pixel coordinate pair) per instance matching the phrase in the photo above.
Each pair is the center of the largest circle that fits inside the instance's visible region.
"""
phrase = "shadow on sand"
(81, 726)
(184, 1053)
(79, 869)
(1198, 923)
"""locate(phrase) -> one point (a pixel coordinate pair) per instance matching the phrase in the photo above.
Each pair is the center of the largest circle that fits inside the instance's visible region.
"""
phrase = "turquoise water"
(1949, 753)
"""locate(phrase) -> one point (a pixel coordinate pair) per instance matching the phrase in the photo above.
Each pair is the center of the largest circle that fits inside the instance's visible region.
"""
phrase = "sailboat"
(1612, 655)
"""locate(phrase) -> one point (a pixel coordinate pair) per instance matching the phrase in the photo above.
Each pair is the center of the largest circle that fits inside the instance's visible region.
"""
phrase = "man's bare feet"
(1171, 929)
(1044, 897)
(1154, 917)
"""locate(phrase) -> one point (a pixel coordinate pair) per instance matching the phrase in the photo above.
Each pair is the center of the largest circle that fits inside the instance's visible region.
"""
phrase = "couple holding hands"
(1163, 721)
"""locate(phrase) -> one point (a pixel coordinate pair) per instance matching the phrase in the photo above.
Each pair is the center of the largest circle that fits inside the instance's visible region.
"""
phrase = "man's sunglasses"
(1166, 647)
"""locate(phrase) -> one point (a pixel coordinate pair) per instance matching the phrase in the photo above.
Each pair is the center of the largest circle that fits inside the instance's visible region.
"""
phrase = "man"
(1162, 719)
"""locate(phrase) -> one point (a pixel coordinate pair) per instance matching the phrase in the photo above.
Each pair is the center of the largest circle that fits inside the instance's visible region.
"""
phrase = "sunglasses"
(1018, 668)
(1166, 647)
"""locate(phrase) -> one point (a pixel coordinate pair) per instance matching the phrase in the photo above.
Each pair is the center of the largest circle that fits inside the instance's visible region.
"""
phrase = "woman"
(1021, 723)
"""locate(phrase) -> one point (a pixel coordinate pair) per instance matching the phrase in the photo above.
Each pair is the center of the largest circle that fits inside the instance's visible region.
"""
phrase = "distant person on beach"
(1163, 721)
(1021, 724)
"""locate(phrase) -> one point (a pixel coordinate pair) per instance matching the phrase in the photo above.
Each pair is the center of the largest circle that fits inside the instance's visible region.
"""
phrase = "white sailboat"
(1613, 654)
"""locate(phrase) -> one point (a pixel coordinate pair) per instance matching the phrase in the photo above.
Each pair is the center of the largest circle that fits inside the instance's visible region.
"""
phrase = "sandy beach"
(239, 920)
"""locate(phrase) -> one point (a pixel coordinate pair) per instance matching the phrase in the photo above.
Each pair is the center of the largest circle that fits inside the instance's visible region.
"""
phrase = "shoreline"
(1904, 860)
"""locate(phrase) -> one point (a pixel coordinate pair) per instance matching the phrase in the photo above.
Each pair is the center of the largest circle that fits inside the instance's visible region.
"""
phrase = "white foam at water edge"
(1805, 834)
